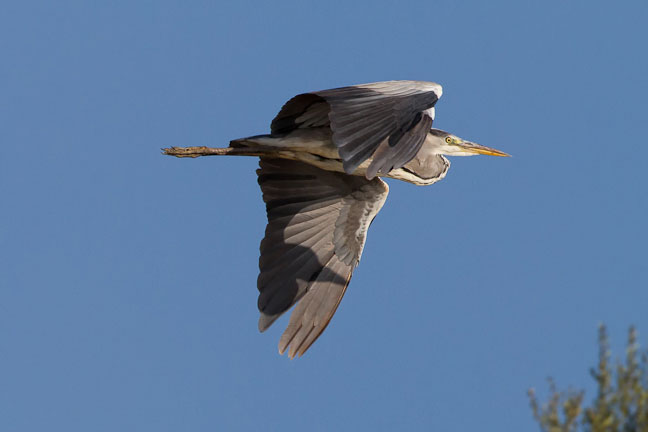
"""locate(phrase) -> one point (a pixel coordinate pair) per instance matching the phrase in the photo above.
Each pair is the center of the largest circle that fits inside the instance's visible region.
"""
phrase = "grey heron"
(319, 173)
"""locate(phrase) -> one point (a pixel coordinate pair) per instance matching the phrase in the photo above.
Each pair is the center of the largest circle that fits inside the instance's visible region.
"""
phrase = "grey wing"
(317, 226)
(387, 121)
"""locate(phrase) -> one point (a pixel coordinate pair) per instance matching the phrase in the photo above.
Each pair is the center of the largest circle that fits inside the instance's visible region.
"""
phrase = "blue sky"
(128, 279)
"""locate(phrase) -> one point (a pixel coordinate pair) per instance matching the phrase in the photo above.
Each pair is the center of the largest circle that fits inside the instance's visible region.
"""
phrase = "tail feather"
(252, 141)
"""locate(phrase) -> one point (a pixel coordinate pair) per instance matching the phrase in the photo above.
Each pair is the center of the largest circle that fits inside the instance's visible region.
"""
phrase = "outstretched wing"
(387, 121)
(317, 226)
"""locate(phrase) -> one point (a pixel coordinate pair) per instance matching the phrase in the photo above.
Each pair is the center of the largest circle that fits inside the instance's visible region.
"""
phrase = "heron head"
(451, 145)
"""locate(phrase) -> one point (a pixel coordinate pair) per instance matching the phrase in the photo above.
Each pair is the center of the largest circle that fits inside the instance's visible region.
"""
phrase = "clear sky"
(128, 279)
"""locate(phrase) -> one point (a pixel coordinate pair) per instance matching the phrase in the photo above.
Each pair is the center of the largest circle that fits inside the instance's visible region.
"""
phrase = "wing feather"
(312, 245)
(363, 117)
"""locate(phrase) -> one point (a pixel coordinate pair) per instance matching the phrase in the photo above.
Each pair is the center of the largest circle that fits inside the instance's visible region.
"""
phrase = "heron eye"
(448, 140)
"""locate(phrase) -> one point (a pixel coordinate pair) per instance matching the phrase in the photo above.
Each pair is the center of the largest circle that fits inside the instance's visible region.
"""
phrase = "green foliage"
(621, 404)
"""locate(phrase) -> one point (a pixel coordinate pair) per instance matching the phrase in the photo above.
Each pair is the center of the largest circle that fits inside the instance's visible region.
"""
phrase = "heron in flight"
(319, 173)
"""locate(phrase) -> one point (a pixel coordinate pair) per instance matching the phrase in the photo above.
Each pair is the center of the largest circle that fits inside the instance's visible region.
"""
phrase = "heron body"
(319, 173)
(315, 147)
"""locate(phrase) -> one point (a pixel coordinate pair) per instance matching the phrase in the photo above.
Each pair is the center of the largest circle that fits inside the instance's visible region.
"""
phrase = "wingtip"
(292, 351)
(282, 350)
(265, 321)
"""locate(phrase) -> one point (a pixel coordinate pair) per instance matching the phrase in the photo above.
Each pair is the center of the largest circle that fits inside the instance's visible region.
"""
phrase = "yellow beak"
(483, 150)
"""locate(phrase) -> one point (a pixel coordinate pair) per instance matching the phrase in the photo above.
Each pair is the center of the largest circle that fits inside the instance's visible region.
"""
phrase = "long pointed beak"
(475, 148)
